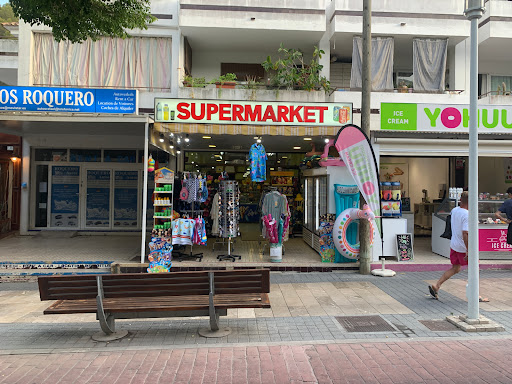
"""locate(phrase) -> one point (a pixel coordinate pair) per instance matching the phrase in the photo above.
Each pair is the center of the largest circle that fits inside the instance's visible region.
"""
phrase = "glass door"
(65, 193)
(97, 202)
(126, 199)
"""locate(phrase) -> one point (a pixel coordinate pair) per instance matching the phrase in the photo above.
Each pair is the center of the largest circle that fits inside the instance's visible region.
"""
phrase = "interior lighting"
(171, 143)
(284, 157)
(207, 137)
(326, 140)
(258, 140)
(178, 151)
(212, 146)
(271, 169)
(161, 138)
(219, 160)
(171, 134)
(296, 148)
(308, 139)
(187, 139)
(14, 159)
(255, 137)
(179, 140)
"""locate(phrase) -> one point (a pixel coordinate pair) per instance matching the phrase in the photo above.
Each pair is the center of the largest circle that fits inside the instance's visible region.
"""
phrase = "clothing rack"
(191, 256)
(229, 195)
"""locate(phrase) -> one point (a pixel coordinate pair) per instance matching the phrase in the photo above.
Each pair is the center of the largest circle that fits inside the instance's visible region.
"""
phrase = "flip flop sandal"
(433, 292)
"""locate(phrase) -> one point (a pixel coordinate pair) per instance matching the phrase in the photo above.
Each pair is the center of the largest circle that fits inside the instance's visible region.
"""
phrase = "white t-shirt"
(459, 223)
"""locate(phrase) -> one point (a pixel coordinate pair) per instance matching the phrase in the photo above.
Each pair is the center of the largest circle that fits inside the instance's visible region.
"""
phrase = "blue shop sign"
(85, 100)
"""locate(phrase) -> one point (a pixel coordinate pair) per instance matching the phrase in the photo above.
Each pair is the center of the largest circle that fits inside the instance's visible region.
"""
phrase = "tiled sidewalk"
(482, 361)
(304, 307)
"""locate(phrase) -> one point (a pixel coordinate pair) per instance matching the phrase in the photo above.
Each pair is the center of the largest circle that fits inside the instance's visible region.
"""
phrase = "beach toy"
(339, 233)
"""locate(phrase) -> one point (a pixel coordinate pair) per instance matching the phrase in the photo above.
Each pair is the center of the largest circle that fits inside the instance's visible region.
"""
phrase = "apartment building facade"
(420, 62)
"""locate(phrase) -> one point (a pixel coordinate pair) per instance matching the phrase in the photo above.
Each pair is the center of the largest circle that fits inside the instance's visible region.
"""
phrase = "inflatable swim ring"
(340, 227)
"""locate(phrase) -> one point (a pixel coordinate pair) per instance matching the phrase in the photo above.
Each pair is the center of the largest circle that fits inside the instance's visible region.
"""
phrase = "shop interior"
(427, 191)
(216, 158)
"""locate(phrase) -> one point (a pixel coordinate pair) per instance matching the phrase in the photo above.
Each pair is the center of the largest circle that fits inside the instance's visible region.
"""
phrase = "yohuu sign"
(444, 118)
(247, 112)
(45, 99)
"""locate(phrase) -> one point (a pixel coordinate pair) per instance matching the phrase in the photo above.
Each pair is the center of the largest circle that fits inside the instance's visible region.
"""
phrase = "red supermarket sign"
(248, 112)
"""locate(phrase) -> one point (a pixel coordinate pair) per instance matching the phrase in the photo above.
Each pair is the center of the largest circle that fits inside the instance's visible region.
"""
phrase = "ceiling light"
(271, 169)
(207, 137)
(161, 138)
(296, 148)
(171, 144)
(308, 139)
(219, 160)
(212, 146)
(187, 138)
(326, 140)
(178, 151)
(255, 137)
(171, 134)
(192, 162)
(179, 140)
(213, 167)
(14, 159)
(258, 141)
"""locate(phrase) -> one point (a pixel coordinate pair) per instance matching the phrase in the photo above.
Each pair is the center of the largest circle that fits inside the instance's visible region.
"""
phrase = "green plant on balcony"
(197, 82)
(225, 81)
(292, 72)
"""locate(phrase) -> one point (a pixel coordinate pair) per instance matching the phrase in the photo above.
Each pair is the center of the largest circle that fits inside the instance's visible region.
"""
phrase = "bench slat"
(162, 303)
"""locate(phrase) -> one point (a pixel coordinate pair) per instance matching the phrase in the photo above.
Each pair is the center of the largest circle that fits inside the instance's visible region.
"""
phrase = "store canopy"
(254, 130)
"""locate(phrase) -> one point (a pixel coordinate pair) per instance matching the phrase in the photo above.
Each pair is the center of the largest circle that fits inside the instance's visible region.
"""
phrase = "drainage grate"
(364, 324)
(439, 325)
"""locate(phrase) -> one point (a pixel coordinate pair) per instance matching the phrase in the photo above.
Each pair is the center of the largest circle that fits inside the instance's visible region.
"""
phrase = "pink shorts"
(458, 258)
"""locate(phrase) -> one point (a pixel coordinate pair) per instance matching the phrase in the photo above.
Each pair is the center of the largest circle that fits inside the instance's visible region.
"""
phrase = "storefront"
(215, 140)
(424, 147)
(82, 157)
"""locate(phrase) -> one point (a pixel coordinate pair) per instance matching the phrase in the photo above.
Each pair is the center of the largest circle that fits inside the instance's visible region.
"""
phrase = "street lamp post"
(473, 11)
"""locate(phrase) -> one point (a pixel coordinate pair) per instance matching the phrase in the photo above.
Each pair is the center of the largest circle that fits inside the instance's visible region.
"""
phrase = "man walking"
(506, 208)
(458, 243)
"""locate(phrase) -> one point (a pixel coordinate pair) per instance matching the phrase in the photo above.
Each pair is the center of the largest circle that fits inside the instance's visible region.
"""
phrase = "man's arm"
(465, 238)
(499, 214)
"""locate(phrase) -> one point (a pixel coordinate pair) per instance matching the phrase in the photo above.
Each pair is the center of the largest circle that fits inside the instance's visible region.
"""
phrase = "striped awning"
(250, 130)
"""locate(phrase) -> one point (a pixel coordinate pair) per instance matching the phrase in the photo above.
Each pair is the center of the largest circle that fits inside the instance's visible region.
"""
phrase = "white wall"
(424, 173)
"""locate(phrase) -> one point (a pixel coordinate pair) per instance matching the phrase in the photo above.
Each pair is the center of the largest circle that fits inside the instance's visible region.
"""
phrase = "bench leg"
(107, 324)
(214, 330)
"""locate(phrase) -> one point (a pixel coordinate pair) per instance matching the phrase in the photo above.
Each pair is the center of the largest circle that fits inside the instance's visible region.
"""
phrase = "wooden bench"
(150, 295)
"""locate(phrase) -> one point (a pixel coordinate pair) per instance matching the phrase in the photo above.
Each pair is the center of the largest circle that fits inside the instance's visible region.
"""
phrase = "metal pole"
(473, 13)
(364, 225)
(145, 191)
(473, 305)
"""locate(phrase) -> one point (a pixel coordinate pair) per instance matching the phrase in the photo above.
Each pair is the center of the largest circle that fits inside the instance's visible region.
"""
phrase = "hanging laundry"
(258, 159)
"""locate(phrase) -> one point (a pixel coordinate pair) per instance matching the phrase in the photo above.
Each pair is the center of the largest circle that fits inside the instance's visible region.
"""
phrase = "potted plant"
(197, 82)
(225, 81)
(292, 72)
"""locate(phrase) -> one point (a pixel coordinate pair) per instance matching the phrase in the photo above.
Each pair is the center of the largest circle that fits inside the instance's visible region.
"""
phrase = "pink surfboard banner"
(356, 151)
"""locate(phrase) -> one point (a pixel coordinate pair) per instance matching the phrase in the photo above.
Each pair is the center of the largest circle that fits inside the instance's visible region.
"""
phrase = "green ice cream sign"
(444, 118)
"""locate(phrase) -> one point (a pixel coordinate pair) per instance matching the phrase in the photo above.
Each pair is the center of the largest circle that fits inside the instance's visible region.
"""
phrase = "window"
(504, 83)
(119, 156)
(243, 71)
(51, 155)
(85, 155)
(404, 79)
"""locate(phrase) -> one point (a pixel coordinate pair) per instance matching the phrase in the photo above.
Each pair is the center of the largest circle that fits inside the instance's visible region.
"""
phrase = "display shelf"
(162, 217)
(164, 179)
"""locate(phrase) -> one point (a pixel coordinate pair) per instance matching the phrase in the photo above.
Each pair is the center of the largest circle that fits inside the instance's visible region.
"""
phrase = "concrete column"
(25, 43)
(176, 62)
(25, 191)
(325, 45)
(460, 68)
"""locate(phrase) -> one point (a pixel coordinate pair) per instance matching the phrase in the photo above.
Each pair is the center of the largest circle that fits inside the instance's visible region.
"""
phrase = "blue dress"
(258, 158)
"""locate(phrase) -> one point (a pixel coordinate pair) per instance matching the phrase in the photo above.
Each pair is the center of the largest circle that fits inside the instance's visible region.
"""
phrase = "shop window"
(51, 154)
(85, 155)
(243, 71)
(119, 156)
(404, 80)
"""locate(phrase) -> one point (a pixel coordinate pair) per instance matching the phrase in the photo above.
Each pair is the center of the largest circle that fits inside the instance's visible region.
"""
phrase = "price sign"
(404, 247)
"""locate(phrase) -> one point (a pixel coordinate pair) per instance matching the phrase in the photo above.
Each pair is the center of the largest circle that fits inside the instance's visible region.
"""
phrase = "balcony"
(9, 61)
(402, 20)
(250, 25)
